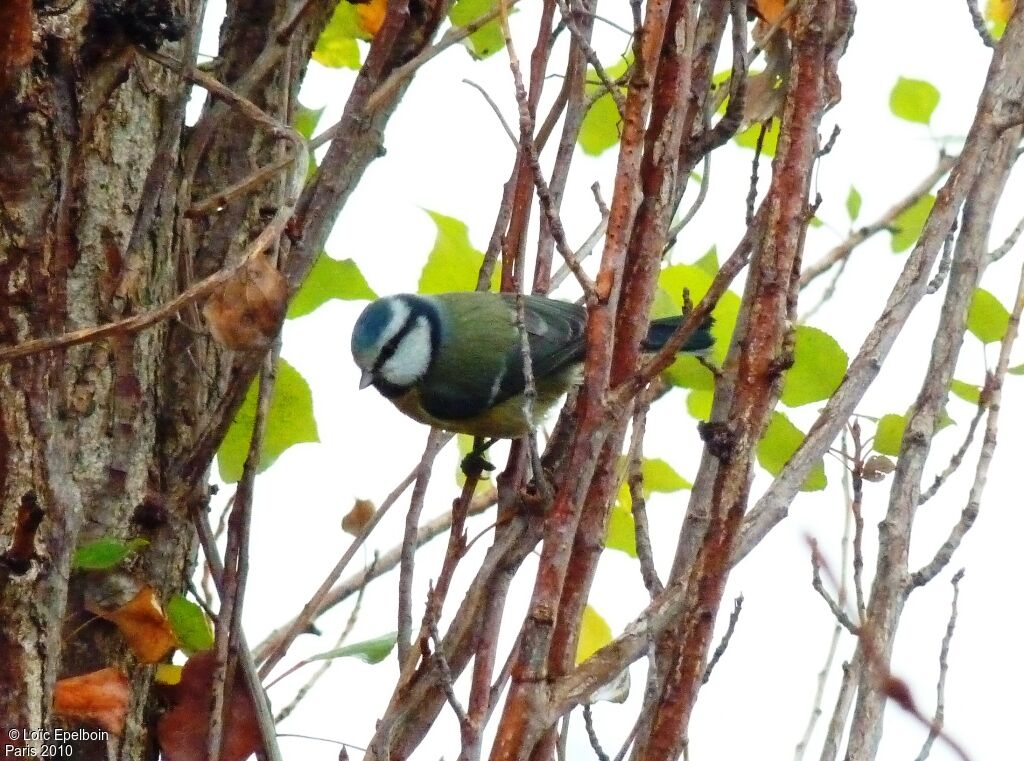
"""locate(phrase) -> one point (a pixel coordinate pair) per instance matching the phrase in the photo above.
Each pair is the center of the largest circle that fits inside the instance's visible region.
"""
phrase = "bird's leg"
(475, 462)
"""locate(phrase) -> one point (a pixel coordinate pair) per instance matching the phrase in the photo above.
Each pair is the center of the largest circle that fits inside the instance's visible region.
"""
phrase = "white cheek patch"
(411, 359)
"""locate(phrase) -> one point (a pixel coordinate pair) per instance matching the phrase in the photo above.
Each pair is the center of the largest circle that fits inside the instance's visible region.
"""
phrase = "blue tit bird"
(454, 360)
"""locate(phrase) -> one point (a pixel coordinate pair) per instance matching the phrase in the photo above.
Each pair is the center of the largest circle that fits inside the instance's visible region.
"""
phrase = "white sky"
(446, 152)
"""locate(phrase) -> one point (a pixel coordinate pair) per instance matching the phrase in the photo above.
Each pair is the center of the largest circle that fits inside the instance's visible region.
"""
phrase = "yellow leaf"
(167, 673)
(999, 11)
(595, 633)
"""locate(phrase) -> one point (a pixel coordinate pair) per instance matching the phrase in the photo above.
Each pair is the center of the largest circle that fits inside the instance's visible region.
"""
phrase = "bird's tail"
(660, 330)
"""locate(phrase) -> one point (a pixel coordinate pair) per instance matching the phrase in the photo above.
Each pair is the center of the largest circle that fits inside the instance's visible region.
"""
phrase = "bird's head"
(393, 342)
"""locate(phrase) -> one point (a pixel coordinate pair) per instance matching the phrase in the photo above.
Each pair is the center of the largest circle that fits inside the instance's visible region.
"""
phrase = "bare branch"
(409, 545)
(884, 222)
(716, 656)
(978, 21)
(940, 688)
(278, 646)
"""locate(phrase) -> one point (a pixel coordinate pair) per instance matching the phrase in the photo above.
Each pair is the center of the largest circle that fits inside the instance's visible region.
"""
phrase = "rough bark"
(113, 438)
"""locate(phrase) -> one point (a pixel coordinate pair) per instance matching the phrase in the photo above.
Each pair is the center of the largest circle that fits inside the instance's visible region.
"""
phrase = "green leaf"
(687, 372)
(815, 222)
(337, 48)
(453, 264)
(853, 201)
(907, 227)
(595, 633)
(679, 276)
(661, 477)
(781, 439)
(189, 624)
(329, 279)
(987, 319)
(818, 368)
(306, 119)
(486, 40)
(1018, 370)
(290, 421)
(602, 123)
(748, 138)
(889, 434)
(709, 262)
(966, 391)
(368, 651)
(913, 100)
(105, 553)
(698, 403)
(621, 533)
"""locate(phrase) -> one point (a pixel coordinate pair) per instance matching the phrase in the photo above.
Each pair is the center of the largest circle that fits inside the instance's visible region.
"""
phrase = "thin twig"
(716, 656)
(884, 222)
(497, 111)
(635, 479)
(993, 391)
(837, 628)
(938, 719)
(858, 521)
(447, 683)
(754, 165)
(258, 696)
(236, 566)
(595, 743)
(405, 570)
(945, 262)
(583, 42)
(958, 457)
(280, 644)
(978, 21)
(837, 611)
(547, 203)
(1009, 243)
(386, 562)
(326, 664)
(702, 194)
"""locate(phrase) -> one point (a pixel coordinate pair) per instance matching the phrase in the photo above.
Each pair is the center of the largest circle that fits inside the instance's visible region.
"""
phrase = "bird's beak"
(365, 379)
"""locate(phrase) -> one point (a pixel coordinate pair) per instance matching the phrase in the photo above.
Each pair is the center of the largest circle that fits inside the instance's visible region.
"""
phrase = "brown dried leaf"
(144, 625)
(182, 730)
(246, 312)
(877, 467)
(356, 518)
(100, 698)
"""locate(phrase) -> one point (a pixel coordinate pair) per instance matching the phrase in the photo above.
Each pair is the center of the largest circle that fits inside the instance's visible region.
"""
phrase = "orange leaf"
(769, 10)
(100, 697)
(144, 626)
(371, 15)
(182, 730)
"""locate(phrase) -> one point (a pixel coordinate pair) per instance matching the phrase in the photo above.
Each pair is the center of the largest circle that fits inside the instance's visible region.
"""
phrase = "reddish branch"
(752, 372)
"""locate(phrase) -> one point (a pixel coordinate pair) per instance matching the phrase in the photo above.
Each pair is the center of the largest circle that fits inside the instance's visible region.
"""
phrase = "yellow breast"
(505, 420)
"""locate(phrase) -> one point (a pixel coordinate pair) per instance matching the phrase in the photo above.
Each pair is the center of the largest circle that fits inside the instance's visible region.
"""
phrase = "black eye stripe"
(389, 349)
